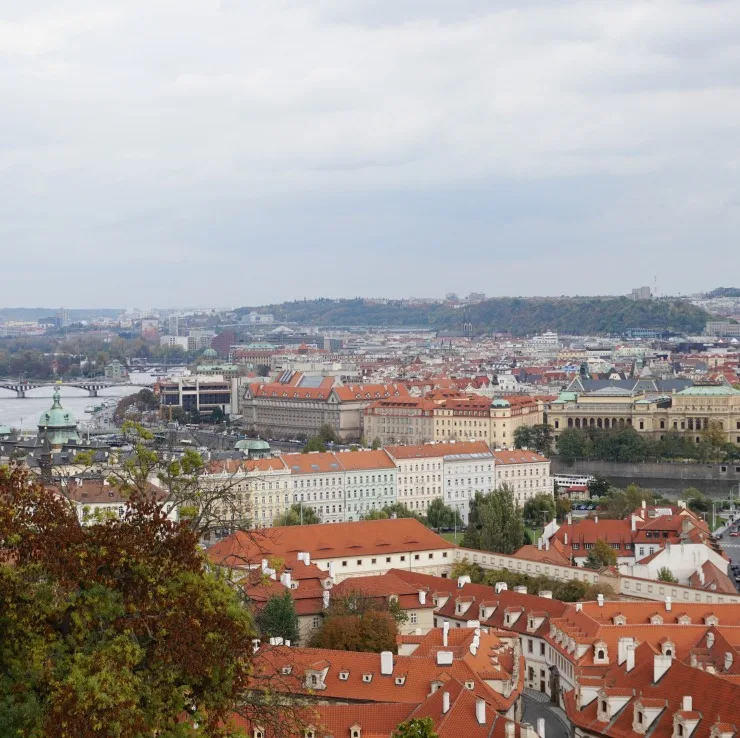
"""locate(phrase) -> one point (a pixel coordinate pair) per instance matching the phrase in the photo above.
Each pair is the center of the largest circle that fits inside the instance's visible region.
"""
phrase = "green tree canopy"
(666, 575)
(601, 555)
(495, 522)
(415, 728)
(278, 619)
(314, 444)
(297, 514)
(536, 437)
(539, 510)
(439, 515)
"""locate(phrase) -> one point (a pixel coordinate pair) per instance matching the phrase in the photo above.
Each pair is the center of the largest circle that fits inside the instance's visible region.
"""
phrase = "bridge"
(93, 386)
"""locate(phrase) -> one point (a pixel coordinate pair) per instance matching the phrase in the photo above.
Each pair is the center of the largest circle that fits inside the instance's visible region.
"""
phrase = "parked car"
(734, 534)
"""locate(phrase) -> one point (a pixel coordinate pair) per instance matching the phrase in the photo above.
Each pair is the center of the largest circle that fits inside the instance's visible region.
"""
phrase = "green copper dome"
(210, 353)
(58, 424)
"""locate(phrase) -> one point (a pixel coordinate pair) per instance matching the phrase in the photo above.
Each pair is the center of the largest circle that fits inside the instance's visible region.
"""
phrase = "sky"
(244, 152)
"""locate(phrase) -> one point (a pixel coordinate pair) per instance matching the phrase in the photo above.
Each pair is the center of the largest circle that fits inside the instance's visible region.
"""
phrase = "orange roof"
(326, 542)
(313, 463)
(430, 450)
(519, 456)
(349, 392)
(232, 466)
(356, 460)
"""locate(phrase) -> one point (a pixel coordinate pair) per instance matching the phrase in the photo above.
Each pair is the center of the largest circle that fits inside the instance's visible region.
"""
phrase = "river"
(25, 413)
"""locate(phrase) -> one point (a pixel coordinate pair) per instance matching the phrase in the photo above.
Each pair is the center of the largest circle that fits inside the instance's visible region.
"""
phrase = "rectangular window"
(387, 559)
(413, 618)
(373, 561)
(344, 563)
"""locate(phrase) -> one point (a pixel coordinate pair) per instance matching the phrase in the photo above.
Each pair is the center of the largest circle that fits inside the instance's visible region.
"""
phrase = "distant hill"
(26, 314)
(515, 315)
(724, 292)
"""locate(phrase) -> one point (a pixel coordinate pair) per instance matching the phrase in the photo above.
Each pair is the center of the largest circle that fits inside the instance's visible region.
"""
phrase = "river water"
(24, 414)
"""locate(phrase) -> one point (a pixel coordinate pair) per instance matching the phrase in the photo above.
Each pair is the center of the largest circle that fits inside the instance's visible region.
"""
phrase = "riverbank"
(670, 479)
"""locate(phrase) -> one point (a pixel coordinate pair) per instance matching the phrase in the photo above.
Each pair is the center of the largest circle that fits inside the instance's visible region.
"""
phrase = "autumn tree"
(297, 514)
(373, 631)
(278, 619)
(467, 568)
(115, 628)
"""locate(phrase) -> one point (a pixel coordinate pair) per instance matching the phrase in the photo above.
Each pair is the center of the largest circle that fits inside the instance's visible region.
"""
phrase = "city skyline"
(278, 150)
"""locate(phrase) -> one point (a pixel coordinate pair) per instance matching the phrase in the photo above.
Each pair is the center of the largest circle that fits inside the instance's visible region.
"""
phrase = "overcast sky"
(231, 152)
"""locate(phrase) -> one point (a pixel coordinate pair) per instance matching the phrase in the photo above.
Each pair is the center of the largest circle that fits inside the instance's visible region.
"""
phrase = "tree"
(217, 416)
(375, 515)
(495, 522)
(562, 508)
(297, 514)
(399, 510)
(377, 443)
(666, 575)
(537, 437)
(571, 445)
(439, 515)
(714, 438)
(115, 628)
(697, 501)
(599, 487)
(374, 631)
(467, 568)
(327, 435)
(355, 601)
(524, 437)
(601, 555)
(415, 728)
(263, 370)
(314, 444)
(278, 619)
(539, 510)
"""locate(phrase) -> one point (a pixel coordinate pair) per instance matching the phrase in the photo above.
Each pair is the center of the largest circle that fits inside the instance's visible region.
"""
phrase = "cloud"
(138, 127)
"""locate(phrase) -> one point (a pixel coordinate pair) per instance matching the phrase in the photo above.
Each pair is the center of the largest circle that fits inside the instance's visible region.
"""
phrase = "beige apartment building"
(479, 418)
(689, 411)
(526, 472)
(287, 409)
(402, 420)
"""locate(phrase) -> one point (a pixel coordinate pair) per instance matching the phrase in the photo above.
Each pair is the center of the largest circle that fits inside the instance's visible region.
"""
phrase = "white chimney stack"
(687, 703)
(596, 518)
(422, 597)
(255, 645)
(501, 587)
(386, 663)
(445, 702)
(541, 727)
(285, 579)
(539, 543)
(445, 631)
(570, 518)
(547, 544)
(331, 569)
(509, 730)
(325, 595)
(480, 711)
(634, 523)
(565, 539)
(307, 560)
(600, 599)
(728, 660)
(630, 657)
(661, 664)
(668, 604)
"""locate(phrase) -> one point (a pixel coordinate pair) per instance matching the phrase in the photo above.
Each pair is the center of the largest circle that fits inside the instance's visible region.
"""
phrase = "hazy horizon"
(165, 152)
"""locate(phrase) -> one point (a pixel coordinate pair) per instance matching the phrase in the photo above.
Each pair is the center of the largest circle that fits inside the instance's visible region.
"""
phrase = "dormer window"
(604, 706)
(679, 730)
(344, 675)
(310, 732)
(367, 678)
(640, 717)
(469, 685)
(656, 620)
(355, 731)
(314, 680)
(258, 733)
(400, 680)
(600, 654)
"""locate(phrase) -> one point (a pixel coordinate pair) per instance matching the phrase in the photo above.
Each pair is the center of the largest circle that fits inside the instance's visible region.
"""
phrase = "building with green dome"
(253, 448)
(58, 425)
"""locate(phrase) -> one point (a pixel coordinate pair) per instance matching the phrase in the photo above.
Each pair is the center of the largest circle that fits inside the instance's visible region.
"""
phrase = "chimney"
(509, 730)
(579, 606)
(331, 569)
(307, 559)
(596, 518)
(710, 639)
(700, 572)
(661, 664)
(547, 544)
(668, 604)
(264, 564)
(687, 703)
(520, 589)
(325, 596)
(541, 727)
(501, 587)
(539, 543)
(445, 631)
(480, 711)
(255, 645)
(422, 597)
(570, 518)
(728, 660)
(565, 539)
(634, 523)
(285, 579)
(545, 593)
(445, 702)
(631, 657)
(386, 663)
(600, 598)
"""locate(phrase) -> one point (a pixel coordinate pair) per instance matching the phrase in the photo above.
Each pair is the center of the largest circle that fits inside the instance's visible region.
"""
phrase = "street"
(537, 705)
